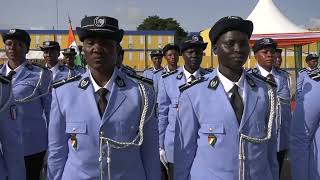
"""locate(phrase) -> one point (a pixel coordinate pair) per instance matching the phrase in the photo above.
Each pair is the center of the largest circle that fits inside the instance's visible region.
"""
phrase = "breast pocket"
(76, 130)
(211, 134)
(24, 89)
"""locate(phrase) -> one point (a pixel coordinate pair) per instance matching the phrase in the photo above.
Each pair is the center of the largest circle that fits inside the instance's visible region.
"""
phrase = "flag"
(72, 43)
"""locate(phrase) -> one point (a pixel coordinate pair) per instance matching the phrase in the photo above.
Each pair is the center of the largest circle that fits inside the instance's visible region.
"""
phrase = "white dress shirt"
(228, 84)
(19, 68)
(107, 86)
(187, 74)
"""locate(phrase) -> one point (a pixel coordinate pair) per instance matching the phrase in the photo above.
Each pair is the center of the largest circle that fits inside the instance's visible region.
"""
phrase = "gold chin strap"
(244, 138)
(33, 95)
(6, 104)
(137, 141)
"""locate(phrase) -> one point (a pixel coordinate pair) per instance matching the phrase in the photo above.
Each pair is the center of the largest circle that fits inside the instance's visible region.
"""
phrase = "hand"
(163, 157)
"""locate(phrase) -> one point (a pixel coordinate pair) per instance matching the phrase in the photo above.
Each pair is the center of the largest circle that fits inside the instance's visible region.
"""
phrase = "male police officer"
(192, 49)
(31, 85)
(264, 51)
(312, 61)
(171, 54)
(221, 113)
(11, 157)
(277, 65)
(109, 131)
(69, 57)
(51, 52)
(304, 134)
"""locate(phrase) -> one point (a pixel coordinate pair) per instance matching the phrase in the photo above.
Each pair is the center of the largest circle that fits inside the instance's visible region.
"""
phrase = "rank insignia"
(13, 112)
(120, 82)
(212, 139)
(180, 75)
(74, 141)
(214, 83)
(84, 83)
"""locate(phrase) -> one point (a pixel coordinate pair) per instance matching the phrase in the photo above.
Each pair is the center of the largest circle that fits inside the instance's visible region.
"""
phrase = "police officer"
(192, 48)
(312, 62)
(69, 57)
(277, 65)
(156, 58)
(31, 85)
(304, 134)
(11, 157)
(171, 54)
(264, 52)
(113, 135)
(51, 52)
(221, 128)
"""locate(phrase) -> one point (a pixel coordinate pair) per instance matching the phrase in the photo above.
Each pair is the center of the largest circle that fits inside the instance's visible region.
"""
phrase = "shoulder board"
(251, 83)
(302, 70)
(316, 78)
(209, 69)
(64, 81)
(4, 79)
(282, 70)
(1, 65)
(314, 71)
(258, 76)
(141, 78)
(156, 71)
(169, 73)
(39, 65)
(188, 85)
(127, 70)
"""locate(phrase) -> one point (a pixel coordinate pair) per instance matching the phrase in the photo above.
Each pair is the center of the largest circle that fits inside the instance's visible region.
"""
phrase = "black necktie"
(192, 78)
(102, 103)
(10, 75)
(236, 102)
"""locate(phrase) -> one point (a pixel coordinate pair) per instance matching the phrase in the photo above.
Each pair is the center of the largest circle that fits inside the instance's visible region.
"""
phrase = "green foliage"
(168, 24)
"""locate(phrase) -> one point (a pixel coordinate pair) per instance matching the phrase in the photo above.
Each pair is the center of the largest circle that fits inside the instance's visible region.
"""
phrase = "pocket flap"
(212, 128)
(76, 127)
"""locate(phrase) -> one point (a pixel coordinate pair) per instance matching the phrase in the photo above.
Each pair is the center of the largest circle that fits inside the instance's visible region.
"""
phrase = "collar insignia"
(84, 83)
(214, 83)
(180, 75)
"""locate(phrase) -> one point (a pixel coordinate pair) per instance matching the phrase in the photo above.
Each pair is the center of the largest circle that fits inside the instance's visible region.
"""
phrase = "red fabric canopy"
(289, 39)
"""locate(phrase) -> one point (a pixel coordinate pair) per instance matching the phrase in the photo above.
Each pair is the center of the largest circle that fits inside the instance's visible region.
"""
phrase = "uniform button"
(101, 133)
(103, 153)
(73, 129)
(210, 129)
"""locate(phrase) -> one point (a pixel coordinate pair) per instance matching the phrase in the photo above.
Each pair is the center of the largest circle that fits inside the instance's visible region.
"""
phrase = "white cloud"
(314, 23)
(130, 16)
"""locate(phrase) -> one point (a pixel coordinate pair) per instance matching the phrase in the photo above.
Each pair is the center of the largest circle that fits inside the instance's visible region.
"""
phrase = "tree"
(169, 24)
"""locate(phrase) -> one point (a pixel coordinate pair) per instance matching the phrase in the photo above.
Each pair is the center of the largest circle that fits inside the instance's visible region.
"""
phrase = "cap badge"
(12, 31)
(99, 21)
(47, 43)
(195, 38)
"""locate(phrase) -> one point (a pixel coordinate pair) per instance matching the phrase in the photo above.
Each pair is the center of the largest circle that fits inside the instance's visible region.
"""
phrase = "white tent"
(268, 19)
(270, 22)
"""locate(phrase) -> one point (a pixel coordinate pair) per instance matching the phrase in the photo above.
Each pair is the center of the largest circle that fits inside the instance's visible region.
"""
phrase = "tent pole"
(298, 58)
(318, 50)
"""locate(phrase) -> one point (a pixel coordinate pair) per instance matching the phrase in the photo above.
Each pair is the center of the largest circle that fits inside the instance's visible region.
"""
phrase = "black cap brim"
(85, 33)
(13, 36)
(49, 47)
(186, 46)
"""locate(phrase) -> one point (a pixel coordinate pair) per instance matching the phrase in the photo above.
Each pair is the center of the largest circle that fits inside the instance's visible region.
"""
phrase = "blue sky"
(193, 15)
